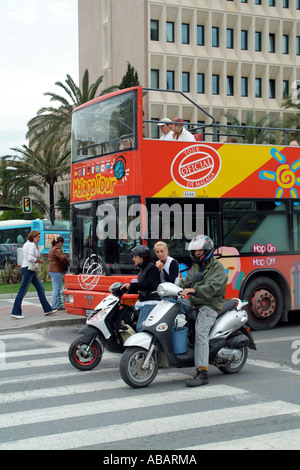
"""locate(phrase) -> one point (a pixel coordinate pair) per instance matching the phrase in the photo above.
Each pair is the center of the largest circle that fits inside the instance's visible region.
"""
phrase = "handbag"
(33, 266)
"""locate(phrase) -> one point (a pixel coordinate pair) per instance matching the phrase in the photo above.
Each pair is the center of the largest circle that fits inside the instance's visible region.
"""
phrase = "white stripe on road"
(115, 404)
(151, 427)
(272, 365)
(282, 440)
(78, 388)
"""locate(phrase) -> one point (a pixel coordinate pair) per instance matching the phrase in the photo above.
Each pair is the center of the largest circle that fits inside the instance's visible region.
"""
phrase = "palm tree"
(293, 121)
(45, 166)
(253, 135)
(53, 124)
(7, 186)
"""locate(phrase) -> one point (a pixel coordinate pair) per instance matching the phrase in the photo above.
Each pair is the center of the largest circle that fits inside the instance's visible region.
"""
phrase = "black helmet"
(201, 242)
(141, 250)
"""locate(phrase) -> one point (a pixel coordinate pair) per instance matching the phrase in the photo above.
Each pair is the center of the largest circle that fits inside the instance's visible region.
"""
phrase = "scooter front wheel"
(84, 357)
(131, 367)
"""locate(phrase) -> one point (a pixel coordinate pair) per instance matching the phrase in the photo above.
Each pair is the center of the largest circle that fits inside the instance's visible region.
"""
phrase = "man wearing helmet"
(146, 285)
(207, 297)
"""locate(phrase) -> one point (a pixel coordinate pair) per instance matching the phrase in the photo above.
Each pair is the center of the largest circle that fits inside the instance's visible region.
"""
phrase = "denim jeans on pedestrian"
(27, 278)
(56, 288)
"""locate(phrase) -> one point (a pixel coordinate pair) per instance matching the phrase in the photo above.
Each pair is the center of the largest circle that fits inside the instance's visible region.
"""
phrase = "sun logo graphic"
(285, 176)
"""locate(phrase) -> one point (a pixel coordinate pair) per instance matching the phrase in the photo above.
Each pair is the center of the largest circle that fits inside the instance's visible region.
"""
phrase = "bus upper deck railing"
(227, 129)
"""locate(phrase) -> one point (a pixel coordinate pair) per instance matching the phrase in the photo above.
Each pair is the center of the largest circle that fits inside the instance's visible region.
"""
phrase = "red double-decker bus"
(129, 189)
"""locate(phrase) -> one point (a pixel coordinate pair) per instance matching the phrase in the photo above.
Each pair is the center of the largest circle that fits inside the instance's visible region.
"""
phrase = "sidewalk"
(34, 315)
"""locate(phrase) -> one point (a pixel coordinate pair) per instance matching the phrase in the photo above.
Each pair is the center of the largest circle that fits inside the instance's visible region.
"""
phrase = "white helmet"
(201, 242)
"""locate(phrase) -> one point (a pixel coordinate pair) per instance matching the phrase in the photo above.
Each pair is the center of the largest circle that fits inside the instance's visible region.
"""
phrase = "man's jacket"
(211, 290)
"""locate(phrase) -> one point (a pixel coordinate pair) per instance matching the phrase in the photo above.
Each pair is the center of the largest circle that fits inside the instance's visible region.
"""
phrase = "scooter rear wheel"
(131, 370)
(234, 367)
(83, 359)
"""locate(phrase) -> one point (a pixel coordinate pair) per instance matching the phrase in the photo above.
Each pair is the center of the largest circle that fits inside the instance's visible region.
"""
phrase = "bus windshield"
(104, 127)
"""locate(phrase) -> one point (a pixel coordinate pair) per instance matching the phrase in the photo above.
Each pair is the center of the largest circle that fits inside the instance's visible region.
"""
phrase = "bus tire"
(265, 303)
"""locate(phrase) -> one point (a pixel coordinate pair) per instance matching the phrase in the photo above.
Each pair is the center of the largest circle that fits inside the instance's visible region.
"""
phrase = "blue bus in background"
(16, 231)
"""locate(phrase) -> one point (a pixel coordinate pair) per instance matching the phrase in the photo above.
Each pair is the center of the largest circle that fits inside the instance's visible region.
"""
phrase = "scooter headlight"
(161, 290)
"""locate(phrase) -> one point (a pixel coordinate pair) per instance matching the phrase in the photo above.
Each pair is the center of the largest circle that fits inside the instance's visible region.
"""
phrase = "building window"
(258, 91)
(257, 2)
(170, 80)
(297, 45)
(244, 40)
(200, 35)
(285, 88)
(285, 4)
(215, 37)
(230, 85)
(154, 78)
(229, 38)
(244, 1)
(271, 88)
(185, 33)
(285, 44)
(170, 31)
(186, 82)
(272, 3)
(200, 83)
(215, 84)
(154, 30)
(244, 86)
(257, 41)
(272, 42)
(297, 4)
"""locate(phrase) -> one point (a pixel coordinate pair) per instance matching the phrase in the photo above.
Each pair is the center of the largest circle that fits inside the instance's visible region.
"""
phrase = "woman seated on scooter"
(146, 285)
(167, 266)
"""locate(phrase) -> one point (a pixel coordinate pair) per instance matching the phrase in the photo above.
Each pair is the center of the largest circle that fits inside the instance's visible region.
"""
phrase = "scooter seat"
(229, 305)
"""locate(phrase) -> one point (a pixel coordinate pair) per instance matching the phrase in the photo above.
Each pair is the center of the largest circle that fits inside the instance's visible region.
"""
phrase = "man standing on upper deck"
(165, 127)
(179, 131)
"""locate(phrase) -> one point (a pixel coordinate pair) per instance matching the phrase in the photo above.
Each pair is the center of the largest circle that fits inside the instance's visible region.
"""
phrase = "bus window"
(296, 227)
(244, 229)
(179, 221)
(105, 127)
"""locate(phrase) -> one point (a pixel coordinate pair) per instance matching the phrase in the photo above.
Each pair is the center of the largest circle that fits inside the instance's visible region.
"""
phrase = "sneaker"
(17, 316)
(199, 379)
(51, 312)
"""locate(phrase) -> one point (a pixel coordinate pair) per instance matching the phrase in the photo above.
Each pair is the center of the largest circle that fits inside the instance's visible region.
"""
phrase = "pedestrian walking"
(29, 267)
(57, 266)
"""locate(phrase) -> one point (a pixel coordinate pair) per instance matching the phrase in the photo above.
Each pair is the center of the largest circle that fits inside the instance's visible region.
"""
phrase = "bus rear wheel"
(265, 303)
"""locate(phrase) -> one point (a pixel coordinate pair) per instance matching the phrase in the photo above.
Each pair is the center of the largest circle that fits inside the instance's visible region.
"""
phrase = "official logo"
(196, 166)
(88, 281)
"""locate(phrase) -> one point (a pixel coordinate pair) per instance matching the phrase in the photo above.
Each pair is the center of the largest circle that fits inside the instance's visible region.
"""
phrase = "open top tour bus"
(129, 189)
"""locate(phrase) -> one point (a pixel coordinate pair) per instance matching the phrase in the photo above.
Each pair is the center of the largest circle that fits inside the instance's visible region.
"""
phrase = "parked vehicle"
(229, 340)
(8, 254)
(107, 327)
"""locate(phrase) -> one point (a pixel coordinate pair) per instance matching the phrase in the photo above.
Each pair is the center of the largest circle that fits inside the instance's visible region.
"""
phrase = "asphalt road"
(47, 404)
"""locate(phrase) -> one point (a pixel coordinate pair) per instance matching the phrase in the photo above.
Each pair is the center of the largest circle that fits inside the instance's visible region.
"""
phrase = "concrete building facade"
(226, 55)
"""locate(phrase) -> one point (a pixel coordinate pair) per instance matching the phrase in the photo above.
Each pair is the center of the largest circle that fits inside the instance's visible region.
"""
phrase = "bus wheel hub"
(263, 304)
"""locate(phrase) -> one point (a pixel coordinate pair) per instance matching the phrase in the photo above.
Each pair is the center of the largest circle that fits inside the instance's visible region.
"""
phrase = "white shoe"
(17, 316)
(51, 312)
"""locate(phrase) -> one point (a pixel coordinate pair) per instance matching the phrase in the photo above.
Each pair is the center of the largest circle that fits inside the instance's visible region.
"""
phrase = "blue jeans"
(27, 278)
(56, 288)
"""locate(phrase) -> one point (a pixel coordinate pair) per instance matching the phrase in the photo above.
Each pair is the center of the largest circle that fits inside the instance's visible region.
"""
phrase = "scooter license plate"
(88, 312)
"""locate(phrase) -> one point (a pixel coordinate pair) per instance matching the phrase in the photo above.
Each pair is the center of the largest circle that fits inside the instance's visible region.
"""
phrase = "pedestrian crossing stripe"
(151, 427)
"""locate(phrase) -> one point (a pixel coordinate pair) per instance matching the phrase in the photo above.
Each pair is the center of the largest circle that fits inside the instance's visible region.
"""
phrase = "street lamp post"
(13, 168)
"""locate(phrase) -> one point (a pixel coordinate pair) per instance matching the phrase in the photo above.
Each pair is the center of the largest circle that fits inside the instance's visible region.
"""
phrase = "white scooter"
(107, 327)
(228, 341)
